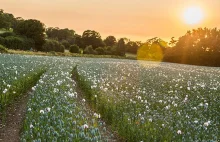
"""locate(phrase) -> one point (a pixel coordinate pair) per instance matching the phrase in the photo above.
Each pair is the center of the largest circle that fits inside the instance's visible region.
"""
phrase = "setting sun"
(193, 15)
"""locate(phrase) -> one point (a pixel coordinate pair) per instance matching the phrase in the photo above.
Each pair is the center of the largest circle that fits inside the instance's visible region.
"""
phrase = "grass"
(17, 88)
(67, 54)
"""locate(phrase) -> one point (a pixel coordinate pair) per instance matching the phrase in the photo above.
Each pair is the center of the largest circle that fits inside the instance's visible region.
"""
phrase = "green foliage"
(3, 49)
(17, 88)
(7, 20)
(60, 34)
(53, 45)
(132, 46)
(110, 41)
(33, 29)
(66, 44)
(74, 49)
(18, 42)
(121, 47)
(92, 38)
(5, 34)
(2, 40)
(100, 51)
(89, 50)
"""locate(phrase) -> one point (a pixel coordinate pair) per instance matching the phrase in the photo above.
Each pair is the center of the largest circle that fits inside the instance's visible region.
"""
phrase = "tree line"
(32, 34)
(198, 47)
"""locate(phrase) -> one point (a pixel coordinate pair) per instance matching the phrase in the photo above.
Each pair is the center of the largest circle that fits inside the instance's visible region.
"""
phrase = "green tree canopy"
(92, 38)
(110, 41)
(32, 29)
(60, 34)
(7, 20)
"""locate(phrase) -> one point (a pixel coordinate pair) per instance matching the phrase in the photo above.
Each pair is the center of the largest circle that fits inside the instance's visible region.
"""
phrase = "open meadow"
(102, 99)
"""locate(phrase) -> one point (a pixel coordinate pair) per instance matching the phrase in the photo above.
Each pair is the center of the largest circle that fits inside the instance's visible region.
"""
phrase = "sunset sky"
(134, 19)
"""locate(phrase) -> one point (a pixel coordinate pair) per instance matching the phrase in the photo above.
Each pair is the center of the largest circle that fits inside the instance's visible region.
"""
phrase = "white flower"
(207, 123)
(71, 95)
(5, 91)
(48, 109)
(33, 88)
(31, 126)
(29, 109)
(97, 115)
(179, 132)
(85, 126)
(196, 121)
(163, 125)
(42, 111)
(83, 100)
(188, 88)
(150, 120)
(95, 96)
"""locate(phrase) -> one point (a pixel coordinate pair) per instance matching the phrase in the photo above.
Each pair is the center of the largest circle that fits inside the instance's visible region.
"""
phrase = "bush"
(3, 49)
(53, 45)
(74, 49)
(100, 51)
(89, 50)
(17, 42)
(13, 42)
(66, 44)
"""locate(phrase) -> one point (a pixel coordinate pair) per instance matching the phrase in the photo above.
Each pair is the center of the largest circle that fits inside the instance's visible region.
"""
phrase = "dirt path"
(111, 136)
(10, 132)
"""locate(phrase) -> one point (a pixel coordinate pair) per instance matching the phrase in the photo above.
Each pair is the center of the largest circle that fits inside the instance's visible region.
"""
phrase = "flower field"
(147, 101)
(141, 101)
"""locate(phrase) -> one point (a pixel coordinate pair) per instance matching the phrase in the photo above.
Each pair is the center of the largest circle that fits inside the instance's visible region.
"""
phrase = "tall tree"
(110, 41)
(32, 29)
(60, 34)
(92, 38)
(132, 46)
(7, 20)
(200, 46)
(121, 47)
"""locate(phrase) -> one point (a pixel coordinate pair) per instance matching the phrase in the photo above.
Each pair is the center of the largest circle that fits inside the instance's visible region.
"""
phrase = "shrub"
(74, 49)
(100, 51)
(53, 45)
(66, 44)
(89, 50)
(3, 49)
(13, 42)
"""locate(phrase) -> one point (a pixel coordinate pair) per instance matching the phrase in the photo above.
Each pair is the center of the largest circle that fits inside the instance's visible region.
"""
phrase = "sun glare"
(193, 15)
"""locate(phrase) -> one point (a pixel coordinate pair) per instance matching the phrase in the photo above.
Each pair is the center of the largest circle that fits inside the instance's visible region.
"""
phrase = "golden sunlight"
(193, 15)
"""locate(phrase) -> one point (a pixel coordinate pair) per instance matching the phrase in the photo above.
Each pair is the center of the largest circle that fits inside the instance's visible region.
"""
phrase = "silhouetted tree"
(199, 47)
(110, 41)
(60, 34)
(121, 47)
(132, 46)
(92, 38)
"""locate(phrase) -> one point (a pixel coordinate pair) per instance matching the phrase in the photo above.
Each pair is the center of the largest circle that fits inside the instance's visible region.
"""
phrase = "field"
(94, 99)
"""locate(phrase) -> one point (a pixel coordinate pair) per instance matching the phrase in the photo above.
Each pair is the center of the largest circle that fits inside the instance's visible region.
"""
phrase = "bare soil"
(10, 130)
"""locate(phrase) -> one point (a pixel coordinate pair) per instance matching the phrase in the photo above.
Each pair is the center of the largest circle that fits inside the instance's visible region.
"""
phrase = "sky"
(137, 20)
